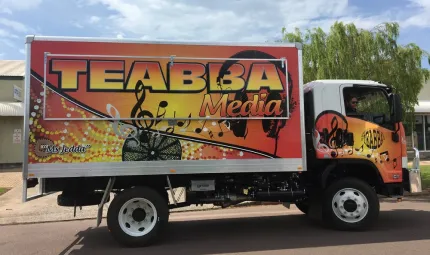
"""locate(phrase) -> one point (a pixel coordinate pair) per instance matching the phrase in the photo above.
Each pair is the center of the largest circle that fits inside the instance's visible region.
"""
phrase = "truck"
(132, 122)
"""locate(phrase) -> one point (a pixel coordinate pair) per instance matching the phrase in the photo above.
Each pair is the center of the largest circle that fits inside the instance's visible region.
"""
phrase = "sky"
(207, 20)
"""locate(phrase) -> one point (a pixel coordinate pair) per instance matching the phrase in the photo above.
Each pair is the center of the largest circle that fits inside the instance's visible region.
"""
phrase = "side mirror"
(397, 113)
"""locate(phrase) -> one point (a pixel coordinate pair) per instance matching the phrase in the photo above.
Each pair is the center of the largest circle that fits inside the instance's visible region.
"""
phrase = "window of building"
(427, 132)
(409, 132)
(419, 132)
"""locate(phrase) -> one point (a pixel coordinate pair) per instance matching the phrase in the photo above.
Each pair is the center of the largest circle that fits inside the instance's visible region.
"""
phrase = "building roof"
(11, 109)
(422, 107)
(12, 68)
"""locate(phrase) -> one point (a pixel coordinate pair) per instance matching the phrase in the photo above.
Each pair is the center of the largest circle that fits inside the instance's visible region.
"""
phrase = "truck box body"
(131, 108)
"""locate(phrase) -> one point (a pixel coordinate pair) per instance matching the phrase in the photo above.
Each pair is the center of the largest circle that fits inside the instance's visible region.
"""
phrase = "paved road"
(403, 228)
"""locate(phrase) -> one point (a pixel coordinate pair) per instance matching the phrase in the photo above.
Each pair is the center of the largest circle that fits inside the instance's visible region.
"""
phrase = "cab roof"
(330, 82)
(336, 81)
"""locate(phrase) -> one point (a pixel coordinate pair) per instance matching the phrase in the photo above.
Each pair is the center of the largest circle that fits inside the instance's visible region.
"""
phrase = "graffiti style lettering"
(68, 72)
(264, 76)
(256, 107)
(232, 80)
(149, 73)
(373, 139)
(187, 77)
(112, 76)
(106, 75)
(180, 77)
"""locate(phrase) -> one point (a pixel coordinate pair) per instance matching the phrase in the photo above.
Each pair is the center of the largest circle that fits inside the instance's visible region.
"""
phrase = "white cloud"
(22, 51)
(5, 10)
(296, 11)
(120, 35)
(11, 31)
(9, 6)
(422, 16)
(220, 20)
(176, 19)
(76, 24)
(94, 19)
(7, 42)
(227, 20)
(7, 34)
(17, 26)
(2, 55)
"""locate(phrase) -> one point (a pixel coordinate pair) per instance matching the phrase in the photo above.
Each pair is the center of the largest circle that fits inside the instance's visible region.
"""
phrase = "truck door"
(330, 124)
(367, 110)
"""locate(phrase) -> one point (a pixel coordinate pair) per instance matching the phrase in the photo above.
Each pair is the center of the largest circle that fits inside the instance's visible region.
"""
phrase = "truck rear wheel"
(138, 217)
(350, 204)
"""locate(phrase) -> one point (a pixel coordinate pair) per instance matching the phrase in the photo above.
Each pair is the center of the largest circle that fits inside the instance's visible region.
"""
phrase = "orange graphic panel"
(98, 91)
(370, 142)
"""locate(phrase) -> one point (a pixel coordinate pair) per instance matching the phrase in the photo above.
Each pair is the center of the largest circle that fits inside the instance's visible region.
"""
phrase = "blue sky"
(225, 20)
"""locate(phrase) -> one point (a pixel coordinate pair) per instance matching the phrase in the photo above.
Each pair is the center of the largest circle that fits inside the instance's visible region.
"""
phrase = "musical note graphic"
(184, 124)
(334, 154)
(203, 128)
(161, 106)
(121, 130)
(359, 150)
(385, 155)
(140, 96)
(220, 132)
(343, 152)
(227, 124)
(331, 137)
(318, 145)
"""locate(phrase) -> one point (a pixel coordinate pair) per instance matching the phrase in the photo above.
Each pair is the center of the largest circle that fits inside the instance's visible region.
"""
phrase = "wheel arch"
(362, 169)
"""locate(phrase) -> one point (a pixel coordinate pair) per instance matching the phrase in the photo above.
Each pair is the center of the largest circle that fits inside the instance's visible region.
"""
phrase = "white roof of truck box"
(30, 38)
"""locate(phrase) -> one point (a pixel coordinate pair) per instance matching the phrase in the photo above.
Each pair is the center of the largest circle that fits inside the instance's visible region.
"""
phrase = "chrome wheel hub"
(350, 205)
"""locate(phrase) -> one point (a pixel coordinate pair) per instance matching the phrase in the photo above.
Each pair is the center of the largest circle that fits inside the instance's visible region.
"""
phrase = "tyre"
(350, 204)
(303, 206)
(138, 217)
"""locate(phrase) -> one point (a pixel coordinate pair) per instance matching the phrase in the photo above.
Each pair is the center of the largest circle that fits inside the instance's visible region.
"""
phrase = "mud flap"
(415, 181)
(315, 206)
(414, 175)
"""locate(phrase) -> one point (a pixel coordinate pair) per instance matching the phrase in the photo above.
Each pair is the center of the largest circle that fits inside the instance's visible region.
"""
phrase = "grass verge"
(3, 190)
(425, 176)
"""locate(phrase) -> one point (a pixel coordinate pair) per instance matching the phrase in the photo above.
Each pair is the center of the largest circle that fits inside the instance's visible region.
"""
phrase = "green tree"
(347, 52)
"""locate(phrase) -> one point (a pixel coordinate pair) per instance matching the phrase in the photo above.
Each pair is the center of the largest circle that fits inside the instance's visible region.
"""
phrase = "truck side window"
(370, 104)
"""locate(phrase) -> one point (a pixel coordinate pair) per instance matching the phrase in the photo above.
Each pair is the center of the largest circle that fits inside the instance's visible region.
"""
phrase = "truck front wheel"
(137, 217)
(303, 206)
(350, 204)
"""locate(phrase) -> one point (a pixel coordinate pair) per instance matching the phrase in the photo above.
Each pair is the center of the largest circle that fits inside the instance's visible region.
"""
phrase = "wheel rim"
(137, 217)
(350, 205)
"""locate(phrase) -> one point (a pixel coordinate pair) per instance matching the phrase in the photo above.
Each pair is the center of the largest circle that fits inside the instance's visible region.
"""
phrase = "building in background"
(421, 132)
(11, 112)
